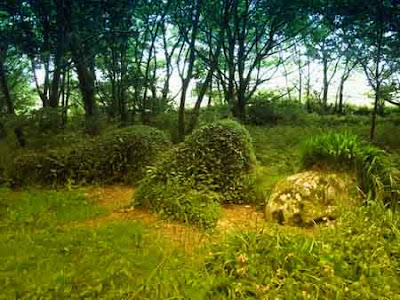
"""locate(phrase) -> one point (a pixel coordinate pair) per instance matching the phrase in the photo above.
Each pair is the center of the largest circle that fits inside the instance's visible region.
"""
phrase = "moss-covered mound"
(213, 160)
(117, 156)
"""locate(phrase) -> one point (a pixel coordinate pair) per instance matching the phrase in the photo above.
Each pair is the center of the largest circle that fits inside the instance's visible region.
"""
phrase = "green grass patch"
(358, 259)
(40, 209)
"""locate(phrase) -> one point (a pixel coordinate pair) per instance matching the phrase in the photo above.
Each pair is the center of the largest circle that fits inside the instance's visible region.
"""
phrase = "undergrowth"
(42, 256)
(357, 259)
(211, 167)
(119, 155)
(377, 173)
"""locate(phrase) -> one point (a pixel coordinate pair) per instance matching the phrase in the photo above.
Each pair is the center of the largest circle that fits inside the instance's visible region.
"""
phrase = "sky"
(355, 92)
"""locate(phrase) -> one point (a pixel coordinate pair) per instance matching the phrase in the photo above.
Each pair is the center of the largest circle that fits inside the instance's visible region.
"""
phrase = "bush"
(175, 201)
(214, 156)
(378, 176)
(166, 122)
(117, 156)
(269, 108)
(212, 161)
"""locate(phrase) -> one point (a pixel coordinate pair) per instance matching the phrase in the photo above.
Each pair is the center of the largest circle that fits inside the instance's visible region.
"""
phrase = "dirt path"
(117, 201)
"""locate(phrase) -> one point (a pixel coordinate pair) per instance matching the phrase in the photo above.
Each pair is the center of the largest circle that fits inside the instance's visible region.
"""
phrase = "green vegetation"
(146, 151)
(377, 173)
(199, 174)
(332, 149)
(48, 251)
(357, 259)
(116, 156)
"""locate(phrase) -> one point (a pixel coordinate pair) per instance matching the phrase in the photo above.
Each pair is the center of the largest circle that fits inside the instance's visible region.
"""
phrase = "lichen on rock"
(307, 198)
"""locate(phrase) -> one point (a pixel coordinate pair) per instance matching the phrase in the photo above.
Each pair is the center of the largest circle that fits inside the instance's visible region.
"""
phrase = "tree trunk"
(86, 85)
(5, 89)
(210, 95)
(42, 95)
(122, 86)
(340, 106)
(196, 110)
(326, 85)
(241, 105)
(19, 134)
(374, 112)
(186, 81)
(308, 87)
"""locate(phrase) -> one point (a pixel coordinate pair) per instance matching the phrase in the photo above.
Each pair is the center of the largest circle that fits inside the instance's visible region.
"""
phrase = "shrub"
(269, 108)
(214, 156)
(175, 201)
(116, 156)
(166, 122)
(214, 113)
(378, 177)
(210, 164)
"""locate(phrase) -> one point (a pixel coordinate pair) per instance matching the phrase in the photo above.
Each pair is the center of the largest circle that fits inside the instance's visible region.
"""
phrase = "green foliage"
(269, 108)
(175, 201)
(47, 252)
(357, 259)
(48, 120)
(166, 122)
(214, 113)
(214, 156)
(210, 164)
(378, 176)
(331, 149)
(117, 156)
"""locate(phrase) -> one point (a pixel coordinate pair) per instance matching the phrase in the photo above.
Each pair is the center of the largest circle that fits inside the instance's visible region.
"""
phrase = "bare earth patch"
(117, 199)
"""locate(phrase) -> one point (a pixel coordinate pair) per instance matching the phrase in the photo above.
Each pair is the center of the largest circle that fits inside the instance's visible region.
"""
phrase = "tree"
(251, 32)
(373, 25)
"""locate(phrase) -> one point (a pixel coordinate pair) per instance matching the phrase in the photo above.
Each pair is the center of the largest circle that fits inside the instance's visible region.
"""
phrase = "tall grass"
(331, 149)
(357, 259)
(377, 174)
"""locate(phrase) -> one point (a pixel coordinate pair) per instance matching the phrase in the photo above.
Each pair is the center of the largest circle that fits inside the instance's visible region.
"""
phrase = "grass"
(41, 256)
(358, 259)
(44, 255)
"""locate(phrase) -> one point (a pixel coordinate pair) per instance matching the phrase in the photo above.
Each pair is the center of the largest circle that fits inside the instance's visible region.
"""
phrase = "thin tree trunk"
(325, 85)
(86, 85)
(5, 89)
(210, 95)
(341, 88)
(374, 112)
(196, 110)
(42, 95)
(186, 81)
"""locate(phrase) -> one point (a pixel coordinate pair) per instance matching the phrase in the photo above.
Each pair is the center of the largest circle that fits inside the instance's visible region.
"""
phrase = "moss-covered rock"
(307, 198)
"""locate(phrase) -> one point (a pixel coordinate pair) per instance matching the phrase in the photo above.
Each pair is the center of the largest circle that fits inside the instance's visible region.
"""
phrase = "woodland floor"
(117, 202)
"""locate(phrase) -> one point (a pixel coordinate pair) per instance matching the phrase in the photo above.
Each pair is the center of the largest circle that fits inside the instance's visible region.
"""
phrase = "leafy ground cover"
(86, 244)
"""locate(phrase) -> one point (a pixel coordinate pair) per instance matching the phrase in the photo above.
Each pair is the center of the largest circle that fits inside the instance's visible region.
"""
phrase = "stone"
(307, 198)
